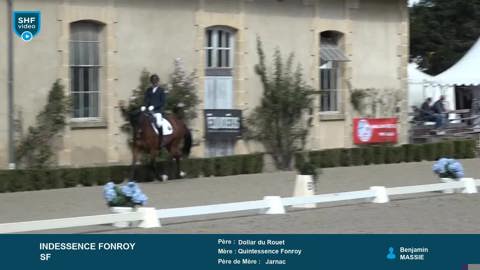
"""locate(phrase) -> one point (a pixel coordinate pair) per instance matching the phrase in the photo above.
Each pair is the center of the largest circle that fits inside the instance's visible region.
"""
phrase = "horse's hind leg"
(176, 154)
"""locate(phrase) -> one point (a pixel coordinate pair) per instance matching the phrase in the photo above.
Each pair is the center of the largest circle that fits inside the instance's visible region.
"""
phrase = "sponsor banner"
(223, 124)
(375, 130)
(236, 251)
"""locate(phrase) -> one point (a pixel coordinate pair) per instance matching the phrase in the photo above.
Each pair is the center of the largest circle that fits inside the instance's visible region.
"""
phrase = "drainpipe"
(11, 129)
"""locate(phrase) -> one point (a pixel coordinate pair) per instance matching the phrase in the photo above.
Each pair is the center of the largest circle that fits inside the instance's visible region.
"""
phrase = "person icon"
(391, 254)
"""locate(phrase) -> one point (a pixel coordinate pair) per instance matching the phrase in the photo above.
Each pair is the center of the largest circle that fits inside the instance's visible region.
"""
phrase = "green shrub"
(316, 157)
(418, 152)
(331, 158)
(430, 151)
(222, 166)
(459, 147)
(192, 167)
(345, 157)
(300, 160)
(379, 155)
(208, 168)
(408, 152)
(400, 154)
(368, 155)
(391, 154)
(87, 177)
(447, 149)
(54, 179)
(258, 165)
(357, 157)
(119, 173)
(470, 149)
(5, 177)
(21, 180)
(71, 177)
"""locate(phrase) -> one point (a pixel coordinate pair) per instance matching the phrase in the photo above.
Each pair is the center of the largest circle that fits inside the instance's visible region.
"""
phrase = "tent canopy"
(417, 76)
(464, 72)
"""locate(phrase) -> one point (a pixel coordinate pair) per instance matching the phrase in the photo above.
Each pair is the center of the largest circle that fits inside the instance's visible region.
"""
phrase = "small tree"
(277, 121)
(135, 101)
(36, 149)
(182, 98)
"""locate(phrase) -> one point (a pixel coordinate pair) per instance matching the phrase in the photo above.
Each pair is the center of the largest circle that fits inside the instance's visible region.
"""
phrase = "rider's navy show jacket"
(157, 99)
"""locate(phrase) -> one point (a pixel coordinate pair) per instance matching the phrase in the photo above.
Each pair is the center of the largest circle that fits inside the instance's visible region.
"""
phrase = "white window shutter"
(224, 92)
(210, 93)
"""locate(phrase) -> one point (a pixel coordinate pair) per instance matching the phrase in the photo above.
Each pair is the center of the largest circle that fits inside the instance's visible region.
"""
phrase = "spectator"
(427, 113)
(440, 110)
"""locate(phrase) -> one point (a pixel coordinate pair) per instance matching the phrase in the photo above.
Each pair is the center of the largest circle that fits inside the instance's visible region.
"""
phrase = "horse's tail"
(187, 143)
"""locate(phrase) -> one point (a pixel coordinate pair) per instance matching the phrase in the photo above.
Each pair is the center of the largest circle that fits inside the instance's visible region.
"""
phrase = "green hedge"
(25, 180)
(386, 154)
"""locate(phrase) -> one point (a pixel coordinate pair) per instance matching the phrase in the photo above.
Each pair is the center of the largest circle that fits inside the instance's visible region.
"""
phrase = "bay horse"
(146, 139)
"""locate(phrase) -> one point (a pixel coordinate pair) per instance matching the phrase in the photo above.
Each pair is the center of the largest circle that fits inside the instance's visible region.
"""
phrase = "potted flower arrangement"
(124, 198)
(448, 170)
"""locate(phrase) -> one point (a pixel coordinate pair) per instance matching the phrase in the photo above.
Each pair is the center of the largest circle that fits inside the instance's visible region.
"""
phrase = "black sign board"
(223, 124)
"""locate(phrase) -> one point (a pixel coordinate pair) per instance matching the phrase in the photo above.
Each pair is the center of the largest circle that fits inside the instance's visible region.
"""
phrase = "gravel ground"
(419, 213)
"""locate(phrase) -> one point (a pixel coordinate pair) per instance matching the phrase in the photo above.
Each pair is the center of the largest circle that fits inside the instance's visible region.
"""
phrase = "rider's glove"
(150, 108)
(142, 108)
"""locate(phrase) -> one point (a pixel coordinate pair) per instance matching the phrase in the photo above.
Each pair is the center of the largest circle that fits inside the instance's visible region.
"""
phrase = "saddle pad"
(166, 127)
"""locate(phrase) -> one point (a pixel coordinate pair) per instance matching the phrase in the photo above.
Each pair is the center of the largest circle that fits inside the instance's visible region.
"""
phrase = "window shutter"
(224, 92)
(210, 93)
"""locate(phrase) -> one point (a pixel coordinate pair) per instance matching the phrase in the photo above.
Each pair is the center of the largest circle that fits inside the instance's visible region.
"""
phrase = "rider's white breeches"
(158, 117)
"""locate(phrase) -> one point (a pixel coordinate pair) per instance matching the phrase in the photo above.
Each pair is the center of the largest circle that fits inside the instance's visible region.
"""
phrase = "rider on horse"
(154, 100)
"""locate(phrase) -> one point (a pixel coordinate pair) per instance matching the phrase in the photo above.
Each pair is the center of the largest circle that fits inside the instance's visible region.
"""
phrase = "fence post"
(470, 186)
(275, 205)
(381, 195)
(150, 218)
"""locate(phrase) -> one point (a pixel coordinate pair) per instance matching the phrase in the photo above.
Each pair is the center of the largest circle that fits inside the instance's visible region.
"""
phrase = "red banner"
(375, 130)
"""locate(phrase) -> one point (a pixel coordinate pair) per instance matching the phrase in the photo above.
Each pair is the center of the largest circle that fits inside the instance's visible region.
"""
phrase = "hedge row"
(387, 154)
(24, 180)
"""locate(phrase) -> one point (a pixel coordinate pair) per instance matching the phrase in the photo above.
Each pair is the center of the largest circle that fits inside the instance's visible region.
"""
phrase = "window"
(218, 48)
(85, 67)
(330, 70)
(219, 64)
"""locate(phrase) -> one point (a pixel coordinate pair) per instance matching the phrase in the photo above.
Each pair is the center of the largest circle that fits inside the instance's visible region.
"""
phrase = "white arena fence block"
(60, 223)
(425, 188)
(470, 186)
(325, 198)
(381, 195)
(448, 190)
(150, 218)
(304, 186)
(118, 210)
(211, 209)
(275, 205)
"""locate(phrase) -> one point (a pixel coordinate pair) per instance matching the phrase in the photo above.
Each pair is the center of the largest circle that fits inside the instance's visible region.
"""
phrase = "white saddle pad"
(166, 127)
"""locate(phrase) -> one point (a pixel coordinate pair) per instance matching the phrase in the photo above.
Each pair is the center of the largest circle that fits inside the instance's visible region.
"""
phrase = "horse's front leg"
(133, 169)
(153, 164)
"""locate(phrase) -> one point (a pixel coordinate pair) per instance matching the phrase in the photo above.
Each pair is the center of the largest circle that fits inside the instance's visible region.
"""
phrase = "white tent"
(422, 85)
(465, 72)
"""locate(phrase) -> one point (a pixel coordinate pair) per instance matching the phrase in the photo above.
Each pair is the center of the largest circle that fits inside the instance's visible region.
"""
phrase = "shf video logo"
(26, 24)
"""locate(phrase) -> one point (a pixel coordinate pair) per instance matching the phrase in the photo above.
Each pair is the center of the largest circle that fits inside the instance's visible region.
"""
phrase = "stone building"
(98, 49)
